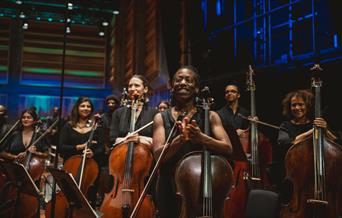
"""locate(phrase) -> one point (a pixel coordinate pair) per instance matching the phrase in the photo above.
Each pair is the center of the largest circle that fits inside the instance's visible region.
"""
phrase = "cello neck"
(84, 157)
(32, 142)
(255, 172)
(318, 145)
(126, 204)
(207, 176)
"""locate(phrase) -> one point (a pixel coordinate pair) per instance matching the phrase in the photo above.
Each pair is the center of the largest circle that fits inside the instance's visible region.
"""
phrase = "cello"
(202, 179)
(129, 164)
(84, 170)
(313, 172)
(252, 174)
(35, 166)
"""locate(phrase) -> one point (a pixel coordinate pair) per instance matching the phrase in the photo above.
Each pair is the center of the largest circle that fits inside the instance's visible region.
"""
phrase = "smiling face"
(136, 88)
(184, 84)
(298, 109)
(27, 120)
(85, 110)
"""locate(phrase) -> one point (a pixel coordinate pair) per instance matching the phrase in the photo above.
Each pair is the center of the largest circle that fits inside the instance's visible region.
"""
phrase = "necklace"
(81, 126)
(186, 113)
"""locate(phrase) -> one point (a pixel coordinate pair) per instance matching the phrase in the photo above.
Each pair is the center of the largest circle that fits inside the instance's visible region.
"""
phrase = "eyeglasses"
(231, 91)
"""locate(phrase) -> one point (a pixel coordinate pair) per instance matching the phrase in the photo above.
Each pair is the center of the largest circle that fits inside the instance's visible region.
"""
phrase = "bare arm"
(220, 141)
(159, 139)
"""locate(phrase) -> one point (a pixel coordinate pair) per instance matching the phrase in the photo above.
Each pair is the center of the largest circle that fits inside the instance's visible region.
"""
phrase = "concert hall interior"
(105, 80)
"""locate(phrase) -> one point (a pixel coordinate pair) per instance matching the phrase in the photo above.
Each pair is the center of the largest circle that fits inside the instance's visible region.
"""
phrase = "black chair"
(262, 204)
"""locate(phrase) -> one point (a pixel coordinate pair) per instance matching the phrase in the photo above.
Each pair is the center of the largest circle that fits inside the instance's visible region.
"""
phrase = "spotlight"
(101, 33)
(105, 23)
(68, 30)
(70, 6)
(25, 25)
(116, 12)
(22, 15)
(18, 2)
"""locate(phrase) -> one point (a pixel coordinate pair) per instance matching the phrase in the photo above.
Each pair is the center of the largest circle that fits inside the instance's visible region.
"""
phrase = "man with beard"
(189, 137)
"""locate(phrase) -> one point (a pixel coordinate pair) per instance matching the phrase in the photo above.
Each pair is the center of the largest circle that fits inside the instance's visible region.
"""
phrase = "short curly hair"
(304, 94)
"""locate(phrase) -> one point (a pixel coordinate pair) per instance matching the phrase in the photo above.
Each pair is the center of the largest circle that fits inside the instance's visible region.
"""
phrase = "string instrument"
(252, 174)
(33, 164)
(29, 205)
(129, 164)
(202, 179)
(84, 170)
(313, 171)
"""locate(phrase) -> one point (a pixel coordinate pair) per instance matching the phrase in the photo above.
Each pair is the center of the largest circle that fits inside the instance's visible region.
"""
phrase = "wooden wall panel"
(4, 49)
(42, 56)
(152, 64)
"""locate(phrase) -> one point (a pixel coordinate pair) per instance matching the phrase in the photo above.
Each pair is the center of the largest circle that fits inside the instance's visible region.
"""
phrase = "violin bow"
(153, 173)
(9, 131)
(132, 133)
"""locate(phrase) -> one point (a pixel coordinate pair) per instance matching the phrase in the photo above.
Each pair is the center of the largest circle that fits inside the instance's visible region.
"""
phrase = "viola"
(312, 167)
(130, 165)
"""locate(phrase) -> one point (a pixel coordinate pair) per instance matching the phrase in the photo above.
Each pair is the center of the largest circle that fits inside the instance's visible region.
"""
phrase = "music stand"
(78, 204)
(21, 179)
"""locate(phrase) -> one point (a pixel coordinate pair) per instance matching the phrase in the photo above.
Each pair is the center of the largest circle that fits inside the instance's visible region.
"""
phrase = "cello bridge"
(127, 190)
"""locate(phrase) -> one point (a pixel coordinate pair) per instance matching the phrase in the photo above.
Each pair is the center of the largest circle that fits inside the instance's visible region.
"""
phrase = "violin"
(130, 165)
(313, 171)
(202, 179)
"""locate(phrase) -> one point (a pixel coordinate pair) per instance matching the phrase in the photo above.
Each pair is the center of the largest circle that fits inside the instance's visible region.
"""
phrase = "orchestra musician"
(190, 137)
(75, 133)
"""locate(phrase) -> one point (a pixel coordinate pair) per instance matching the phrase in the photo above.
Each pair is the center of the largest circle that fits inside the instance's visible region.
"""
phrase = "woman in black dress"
(26, 134)
(75, 134)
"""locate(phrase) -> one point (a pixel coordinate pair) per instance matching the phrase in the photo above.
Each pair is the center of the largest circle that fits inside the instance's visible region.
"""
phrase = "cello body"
(189, 182)
(235, 206)
(112, 205)
(312, 166)
(300, 177)
(252, 174)
(72, 165)
(35, 167)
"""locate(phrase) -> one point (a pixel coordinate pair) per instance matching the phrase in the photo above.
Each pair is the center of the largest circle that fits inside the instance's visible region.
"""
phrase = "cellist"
(131, 156)
(297, 109)
(139, 88)
(229, 114)
(16, 150)
(185, 87)
(20, 139)
(75, 134)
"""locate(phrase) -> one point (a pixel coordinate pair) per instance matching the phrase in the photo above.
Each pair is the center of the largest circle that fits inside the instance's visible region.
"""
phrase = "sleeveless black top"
(166, 190)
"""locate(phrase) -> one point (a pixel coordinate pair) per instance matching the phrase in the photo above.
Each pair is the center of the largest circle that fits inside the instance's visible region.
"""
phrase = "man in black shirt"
(230, 113)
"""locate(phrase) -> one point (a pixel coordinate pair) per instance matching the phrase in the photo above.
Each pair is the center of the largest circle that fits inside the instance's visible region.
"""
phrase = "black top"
(287, 133)
(4, 127)
(229, 118)
(166, 189)
(185, 149)
(15, 143)
(121, 120)
(69, 138)
(107, 119)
